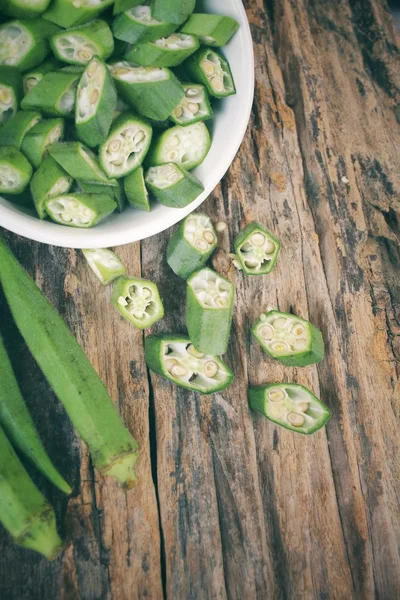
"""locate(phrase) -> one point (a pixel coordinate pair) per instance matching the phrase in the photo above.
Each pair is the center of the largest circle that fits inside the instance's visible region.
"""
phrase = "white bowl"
(228, 129)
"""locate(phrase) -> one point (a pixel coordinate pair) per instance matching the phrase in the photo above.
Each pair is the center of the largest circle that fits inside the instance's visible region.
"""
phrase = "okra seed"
(94, 96)
(276, 395)
(247, 247)
(211, 368)
(120, 71)
(279, 323)
(237, 265)
(251, 264)
(114, 146)
(92, 68)
(193, 107)
(191, 92)
(298, 330)
(304, 406)
(193, 352)
(84, 55)
(178, 112)
(221, 301)
(266, 332)
(221, 226)
(296, 419)
(170, 363)
(173, 155)
(30, 83)
(258, 239)
(208, 68)
(201, 244)
(5, 97)
(209, 237)
(270, 247)
(139, 137)
(178, 371)
(280, 346)
(276, 410)
(117, 161)
(174, 142)
(217, 84)
(300, 344)
(146, 293)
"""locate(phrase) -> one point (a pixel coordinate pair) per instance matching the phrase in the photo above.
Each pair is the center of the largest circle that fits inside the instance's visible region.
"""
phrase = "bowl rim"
(31, 227)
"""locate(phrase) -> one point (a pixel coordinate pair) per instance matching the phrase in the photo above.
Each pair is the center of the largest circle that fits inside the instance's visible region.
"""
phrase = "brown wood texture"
(228, 505)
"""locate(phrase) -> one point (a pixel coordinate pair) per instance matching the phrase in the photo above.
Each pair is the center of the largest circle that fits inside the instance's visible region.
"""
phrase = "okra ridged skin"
(54, 95)
(24, 512)
(221, 75)
(10, 92)
(80, 209)
(114, 189)
(24, 9)
(171, 146)
(79, 162)
(37, 140)
(127, 28)
(98, 38)
(212, 30)
(184, 258)
(175, 11)
(70, 374)
(36, 32)
(136, 191)
(68, 13)
(14, 131)
(32, 77)
(48, 181)
(138, 301)
(150, 54)
(18, 424)
(15, 165)
(178, 194)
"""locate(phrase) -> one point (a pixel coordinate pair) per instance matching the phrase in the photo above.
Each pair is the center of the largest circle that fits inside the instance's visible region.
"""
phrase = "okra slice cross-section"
(210, 68)
(290, 405)
(48, 181)
(186, 146)
(126, 145)
(138, 301)
(80, 210)
(174, 11)
(289, 339)
(209, 308)
(10, 92)
(165, 52)
(172, 185)
(23, 44)
(68, 13)
(15, 171)
(194, 107)
(138, 25)
(80, 162)
(191, 245)
(105, 264)
(14, 131)
(175, 358)
(54, 95)
(40, 137)
(257, 249)
(212, 30)
(78, 46)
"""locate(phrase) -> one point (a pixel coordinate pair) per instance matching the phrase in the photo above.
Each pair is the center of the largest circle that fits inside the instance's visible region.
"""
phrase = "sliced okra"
(137, 25)
(69, 13)
(175, 358)
(123, 5)
(126, 145)
(10, 92)
(32, 77)
(136, 191)
(172, 185)
(78, 46)
(186, 146)
(194, 107)
(114, 188)
(80, 210)
(96, 102)
(153, 92)
(289, 339)
(138, 301)
(15, 171)
(208, 67)
(212, 30)
(164, 52)
(54, 94)
(257, 249)
(289, 405)
(49, 181)
(209, 309)
(24, 9)
(174, 11)
(14, 131)
(191, 245)
(79, 161)
(24, 44)
(105, 264)
(40, 137)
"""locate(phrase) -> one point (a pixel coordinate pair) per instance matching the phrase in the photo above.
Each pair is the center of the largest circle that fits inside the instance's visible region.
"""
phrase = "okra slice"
(175, 358)
(54, 94)
(14, 131)
(209, 308)
(186, 146)
(24, 9)
(257, 249)
(96, 103)
(210, 68)
(32, 77)
(289, 339)
(10, 92)
(138, 301)
(80, 162)
(191, 245)
(194, 107)
(36, 142)
(136, 191)
(174, 11)
(105, 264)
(137, 25)
(290, 405)
(172, 185)
(165, 52)
(212, 30)
(15, 171)
(24, 44)
(69, 13)
(126, 145)
(78, 46)
(114, 188)
(123, 5)
(80, 210)
(153, 92)
(49, 181)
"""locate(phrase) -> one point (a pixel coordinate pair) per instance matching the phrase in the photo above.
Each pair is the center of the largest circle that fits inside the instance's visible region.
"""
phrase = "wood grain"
(228, 505)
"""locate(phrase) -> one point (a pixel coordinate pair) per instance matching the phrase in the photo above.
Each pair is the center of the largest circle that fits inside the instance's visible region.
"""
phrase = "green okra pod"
(54, 94)
(78, 46)
(96, 103)
(136, 191)
(137, 25)
(24, 9)
(80, 209)
(10, 92)
(194, 107)
(37, 140)
(164, 52)
(175, 11)
(212, 30)
(123, 5)
(289, 339)
(49, 181)
(33, 76)
(172, 185)
(209, 309)
(24, 44)
(24, 512)
(15, 171)
(152, 92)
(290, 405)
(70, 374)
(138, 301)
(175, 358)
(114, 188)
(257, 249)
(191, 245)
(126, 145)
(14, 131)
(18, 424)
(186, 146)
(69, 13)
(208, 67)
(105, 264)
(79, 161)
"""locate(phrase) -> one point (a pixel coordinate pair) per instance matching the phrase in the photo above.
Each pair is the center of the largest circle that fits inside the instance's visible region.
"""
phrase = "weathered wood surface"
(229, 506)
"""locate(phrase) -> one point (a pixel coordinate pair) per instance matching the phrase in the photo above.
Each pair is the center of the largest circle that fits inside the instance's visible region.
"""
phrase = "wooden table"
(228, 505)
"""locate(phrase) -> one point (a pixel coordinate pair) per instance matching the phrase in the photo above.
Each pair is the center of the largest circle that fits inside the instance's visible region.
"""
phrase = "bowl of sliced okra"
(118, 118)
